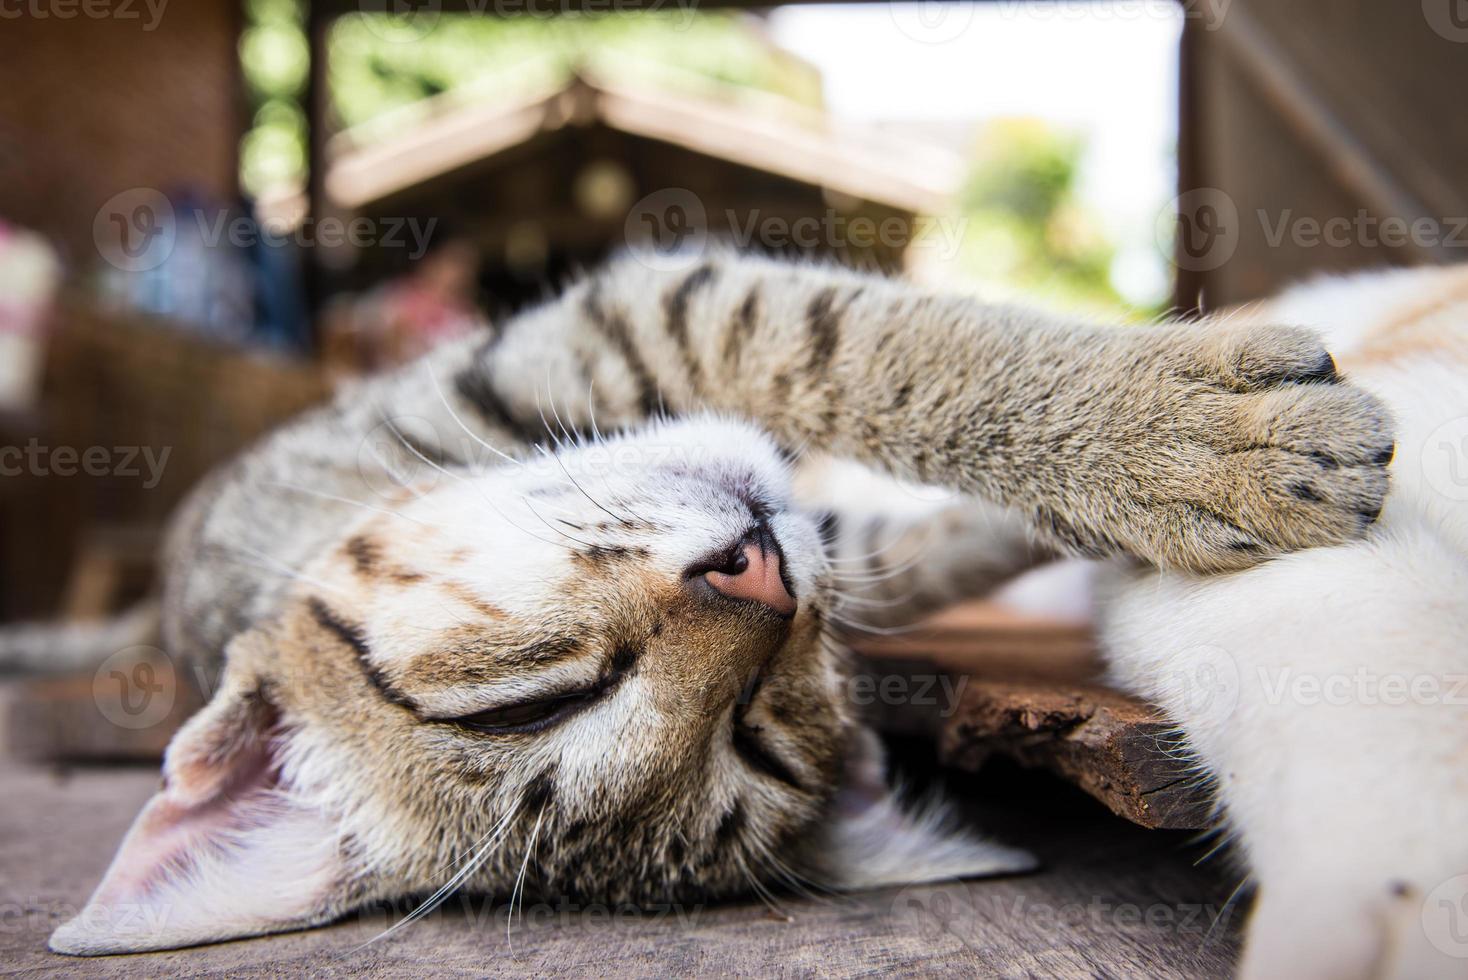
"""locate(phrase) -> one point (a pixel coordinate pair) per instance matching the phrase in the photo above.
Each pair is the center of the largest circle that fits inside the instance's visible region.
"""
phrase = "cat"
(1326, 692)
(547, 596)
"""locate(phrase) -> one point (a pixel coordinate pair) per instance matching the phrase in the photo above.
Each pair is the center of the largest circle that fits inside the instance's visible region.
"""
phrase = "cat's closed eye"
(529, 716)
(537, 714)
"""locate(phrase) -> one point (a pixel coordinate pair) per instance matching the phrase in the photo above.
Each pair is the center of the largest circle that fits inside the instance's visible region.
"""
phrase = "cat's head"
(606, 673)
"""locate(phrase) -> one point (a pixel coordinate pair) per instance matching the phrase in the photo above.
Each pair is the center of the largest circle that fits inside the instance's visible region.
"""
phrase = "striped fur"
(514, 518)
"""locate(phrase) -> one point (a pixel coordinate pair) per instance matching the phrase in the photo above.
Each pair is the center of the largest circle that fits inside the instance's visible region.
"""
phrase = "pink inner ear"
(223, 850)
(176, 827)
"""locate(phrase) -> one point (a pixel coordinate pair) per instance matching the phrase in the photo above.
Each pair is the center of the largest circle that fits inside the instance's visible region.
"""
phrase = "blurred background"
(213, 211)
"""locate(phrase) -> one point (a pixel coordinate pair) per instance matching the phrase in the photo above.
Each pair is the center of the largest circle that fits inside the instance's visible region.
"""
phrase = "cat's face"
(555, 645)
(604, 675)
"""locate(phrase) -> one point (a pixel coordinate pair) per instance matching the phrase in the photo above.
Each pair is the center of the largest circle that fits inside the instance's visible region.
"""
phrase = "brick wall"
(91, 106)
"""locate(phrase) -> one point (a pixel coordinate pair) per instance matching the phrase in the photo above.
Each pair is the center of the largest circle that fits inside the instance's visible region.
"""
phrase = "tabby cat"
(543, 612)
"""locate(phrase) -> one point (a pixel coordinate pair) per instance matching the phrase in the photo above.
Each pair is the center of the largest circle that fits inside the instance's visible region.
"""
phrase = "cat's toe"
(1292, 501)
(1287, 467)
(1337, 425)
(1259, 356)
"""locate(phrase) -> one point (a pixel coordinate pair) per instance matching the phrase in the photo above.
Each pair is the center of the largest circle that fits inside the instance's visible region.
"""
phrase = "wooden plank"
(981, 681)
(1111, 900)
(127, 710)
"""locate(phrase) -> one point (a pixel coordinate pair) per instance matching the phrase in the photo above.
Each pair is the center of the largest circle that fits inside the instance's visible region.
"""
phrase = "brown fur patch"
(352, 637)
(1432, 326)
(366, 555)
(461, 592)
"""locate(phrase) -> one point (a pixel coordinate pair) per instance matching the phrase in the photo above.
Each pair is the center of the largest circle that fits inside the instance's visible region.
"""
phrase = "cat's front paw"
(1252, 446)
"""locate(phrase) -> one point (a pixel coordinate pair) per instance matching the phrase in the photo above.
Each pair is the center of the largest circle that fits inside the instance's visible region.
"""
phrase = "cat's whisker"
(443, 399)
(348, 500)
(852, 624)
(880, 572)
(798, 883)
(591, 411)
(887, 573)
(619, 518)
(545, 424)
(470, 867)
(550, 394)
(569, 537)
(866, 558)
(267, 563)
(864, 584)
(482, 495)
(520, 879)
(577, 444)
(1228, 903)
(574, 440)
(875, 603)
(763, 893)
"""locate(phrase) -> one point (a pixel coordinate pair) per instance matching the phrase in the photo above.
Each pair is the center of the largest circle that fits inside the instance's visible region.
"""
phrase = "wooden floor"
(1114, 900)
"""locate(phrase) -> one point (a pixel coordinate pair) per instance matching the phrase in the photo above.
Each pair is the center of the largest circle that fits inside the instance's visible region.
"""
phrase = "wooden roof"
(752, 129)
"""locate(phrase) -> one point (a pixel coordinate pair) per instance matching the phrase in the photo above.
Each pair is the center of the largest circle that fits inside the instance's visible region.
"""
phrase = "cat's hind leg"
(899, 552)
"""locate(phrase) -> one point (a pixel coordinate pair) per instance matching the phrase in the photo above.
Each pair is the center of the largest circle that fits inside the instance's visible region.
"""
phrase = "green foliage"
(381, 65)
(484, 58)
(276, 62)
(1026, 229)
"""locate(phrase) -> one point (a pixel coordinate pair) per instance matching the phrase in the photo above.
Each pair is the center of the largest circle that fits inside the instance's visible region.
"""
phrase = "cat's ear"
(224, 849)
(874, 840)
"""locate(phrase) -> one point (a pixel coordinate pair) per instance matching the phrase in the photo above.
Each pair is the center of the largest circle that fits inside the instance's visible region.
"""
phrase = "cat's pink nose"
(754, 574)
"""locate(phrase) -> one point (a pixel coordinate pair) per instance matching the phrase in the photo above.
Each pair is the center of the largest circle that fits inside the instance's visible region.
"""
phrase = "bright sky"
(1106, 69)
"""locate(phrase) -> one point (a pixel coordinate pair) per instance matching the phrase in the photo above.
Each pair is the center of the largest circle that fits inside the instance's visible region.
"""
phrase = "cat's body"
(619, 656)
(1326, 692)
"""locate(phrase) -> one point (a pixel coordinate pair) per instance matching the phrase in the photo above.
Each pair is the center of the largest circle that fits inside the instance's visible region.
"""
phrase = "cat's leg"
(1326, 694)
(899, 552)
(1193, 448)
(891, 569)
